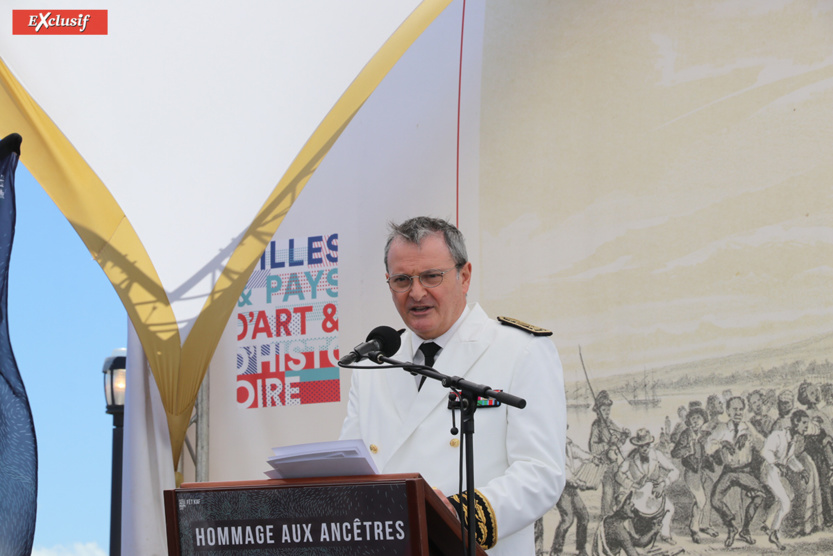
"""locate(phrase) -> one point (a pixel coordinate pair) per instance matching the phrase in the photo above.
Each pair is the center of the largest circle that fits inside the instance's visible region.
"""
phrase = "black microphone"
(381, 338)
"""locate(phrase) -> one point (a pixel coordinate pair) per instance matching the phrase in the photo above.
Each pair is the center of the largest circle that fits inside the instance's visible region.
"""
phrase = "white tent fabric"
(180, 143)
(146, 459)
(190, 112)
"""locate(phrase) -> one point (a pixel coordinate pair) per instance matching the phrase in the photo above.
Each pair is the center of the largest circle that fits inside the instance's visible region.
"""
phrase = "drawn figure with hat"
(606, 440)
(616, 532)
(647, 473)
(690, 449)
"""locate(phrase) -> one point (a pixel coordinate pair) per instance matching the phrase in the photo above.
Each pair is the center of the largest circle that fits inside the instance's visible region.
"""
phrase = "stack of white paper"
(321, 459)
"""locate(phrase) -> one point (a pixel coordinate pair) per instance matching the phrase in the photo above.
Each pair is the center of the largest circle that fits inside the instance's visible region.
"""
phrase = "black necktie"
(429, 350)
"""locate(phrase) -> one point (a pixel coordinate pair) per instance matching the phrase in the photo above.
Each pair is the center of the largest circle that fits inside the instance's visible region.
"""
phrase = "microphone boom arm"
(461, 384)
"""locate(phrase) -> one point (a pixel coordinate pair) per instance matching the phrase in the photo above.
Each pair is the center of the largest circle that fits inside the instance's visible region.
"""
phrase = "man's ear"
(465, 276)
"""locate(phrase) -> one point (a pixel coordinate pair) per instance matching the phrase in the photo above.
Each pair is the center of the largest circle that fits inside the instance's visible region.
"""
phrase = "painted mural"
(718, 455)
(656, 189)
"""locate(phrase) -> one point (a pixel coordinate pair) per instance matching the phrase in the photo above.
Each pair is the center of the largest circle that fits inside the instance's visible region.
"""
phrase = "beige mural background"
(657, 188)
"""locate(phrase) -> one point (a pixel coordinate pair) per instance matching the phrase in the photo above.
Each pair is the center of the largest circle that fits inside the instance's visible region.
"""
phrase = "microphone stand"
(469, 393)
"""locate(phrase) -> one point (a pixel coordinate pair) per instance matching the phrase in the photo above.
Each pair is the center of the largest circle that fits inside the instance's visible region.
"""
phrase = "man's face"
(429, 312)
(801, 426)
(756, 403)
(696, 421)
(735, 410)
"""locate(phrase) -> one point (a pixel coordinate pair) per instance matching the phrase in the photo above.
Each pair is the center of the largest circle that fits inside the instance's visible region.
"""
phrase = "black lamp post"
(114, 385)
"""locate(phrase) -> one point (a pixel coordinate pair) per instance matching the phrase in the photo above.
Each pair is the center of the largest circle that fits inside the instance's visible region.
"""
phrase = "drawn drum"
(647, 508)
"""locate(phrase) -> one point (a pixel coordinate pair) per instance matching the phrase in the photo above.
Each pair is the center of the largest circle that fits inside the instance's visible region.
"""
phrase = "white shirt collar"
(441, 341)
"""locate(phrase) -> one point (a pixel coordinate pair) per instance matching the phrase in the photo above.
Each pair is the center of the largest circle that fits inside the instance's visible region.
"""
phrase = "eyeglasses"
(401, 283)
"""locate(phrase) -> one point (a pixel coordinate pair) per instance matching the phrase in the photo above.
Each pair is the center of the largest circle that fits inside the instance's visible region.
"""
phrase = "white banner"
(320, 285)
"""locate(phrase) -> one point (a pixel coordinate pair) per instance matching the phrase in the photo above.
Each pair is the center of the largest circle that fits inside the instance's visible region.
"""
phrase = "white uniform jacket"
(519, 453)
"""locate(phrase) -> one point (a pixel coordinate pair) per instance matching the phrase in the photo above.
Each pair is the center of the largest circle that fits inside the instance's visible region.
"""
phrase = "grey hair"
(414, 230)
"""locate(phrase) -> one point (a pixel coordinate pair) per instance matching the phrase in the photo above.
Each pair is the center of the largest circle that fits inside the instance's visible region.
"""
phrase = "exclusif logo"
(59, 22)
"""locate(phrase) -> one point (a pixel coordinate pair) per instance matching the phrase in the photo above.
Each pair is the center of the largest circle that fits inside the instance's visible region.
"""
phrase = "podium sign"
(354, 518)
(384, 515)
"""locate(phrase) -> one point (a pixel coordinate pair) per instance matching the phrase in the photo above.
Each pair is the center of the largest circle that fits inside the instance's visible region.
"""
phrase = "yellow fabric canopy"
(84, 199)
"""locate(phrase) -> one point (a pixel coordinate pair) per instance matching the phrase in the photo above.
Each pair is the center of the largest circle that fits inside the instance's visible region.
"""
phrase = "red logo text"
(59, 22)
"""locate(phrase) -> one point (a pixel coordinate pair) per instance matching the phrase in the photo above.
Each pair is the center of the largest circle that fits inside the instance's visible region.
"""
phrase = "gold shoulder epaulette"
(531, 328)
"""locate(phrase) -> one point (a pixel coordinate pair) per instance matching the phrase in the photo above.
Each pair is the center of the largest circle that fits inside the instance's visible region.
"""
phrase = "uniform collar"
(442, 340)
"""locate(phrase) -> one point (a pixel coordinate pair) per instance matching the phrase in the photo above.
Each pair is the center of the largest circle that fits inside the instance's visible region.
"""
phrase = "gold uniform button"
(454, 442)
(374, 449)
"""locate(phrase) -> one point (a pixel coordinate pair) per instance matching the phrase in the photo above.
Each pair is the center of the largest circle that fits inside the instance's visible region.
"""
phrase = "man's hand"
(659, 489)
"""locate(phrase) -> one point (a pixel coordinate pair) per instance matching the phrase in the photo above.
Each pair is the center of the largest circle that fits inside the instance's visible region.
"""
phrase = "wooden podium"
(384, 515)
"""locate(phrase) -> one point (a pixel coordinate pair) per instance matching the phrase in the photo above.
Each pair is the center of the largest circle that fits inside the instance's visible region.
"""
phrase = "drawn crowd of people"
(765, 455)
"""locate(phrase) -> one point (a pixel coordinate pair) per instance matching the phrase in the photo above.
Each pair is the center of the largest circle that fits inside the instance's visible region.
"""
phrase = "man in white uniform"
(519, 453)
